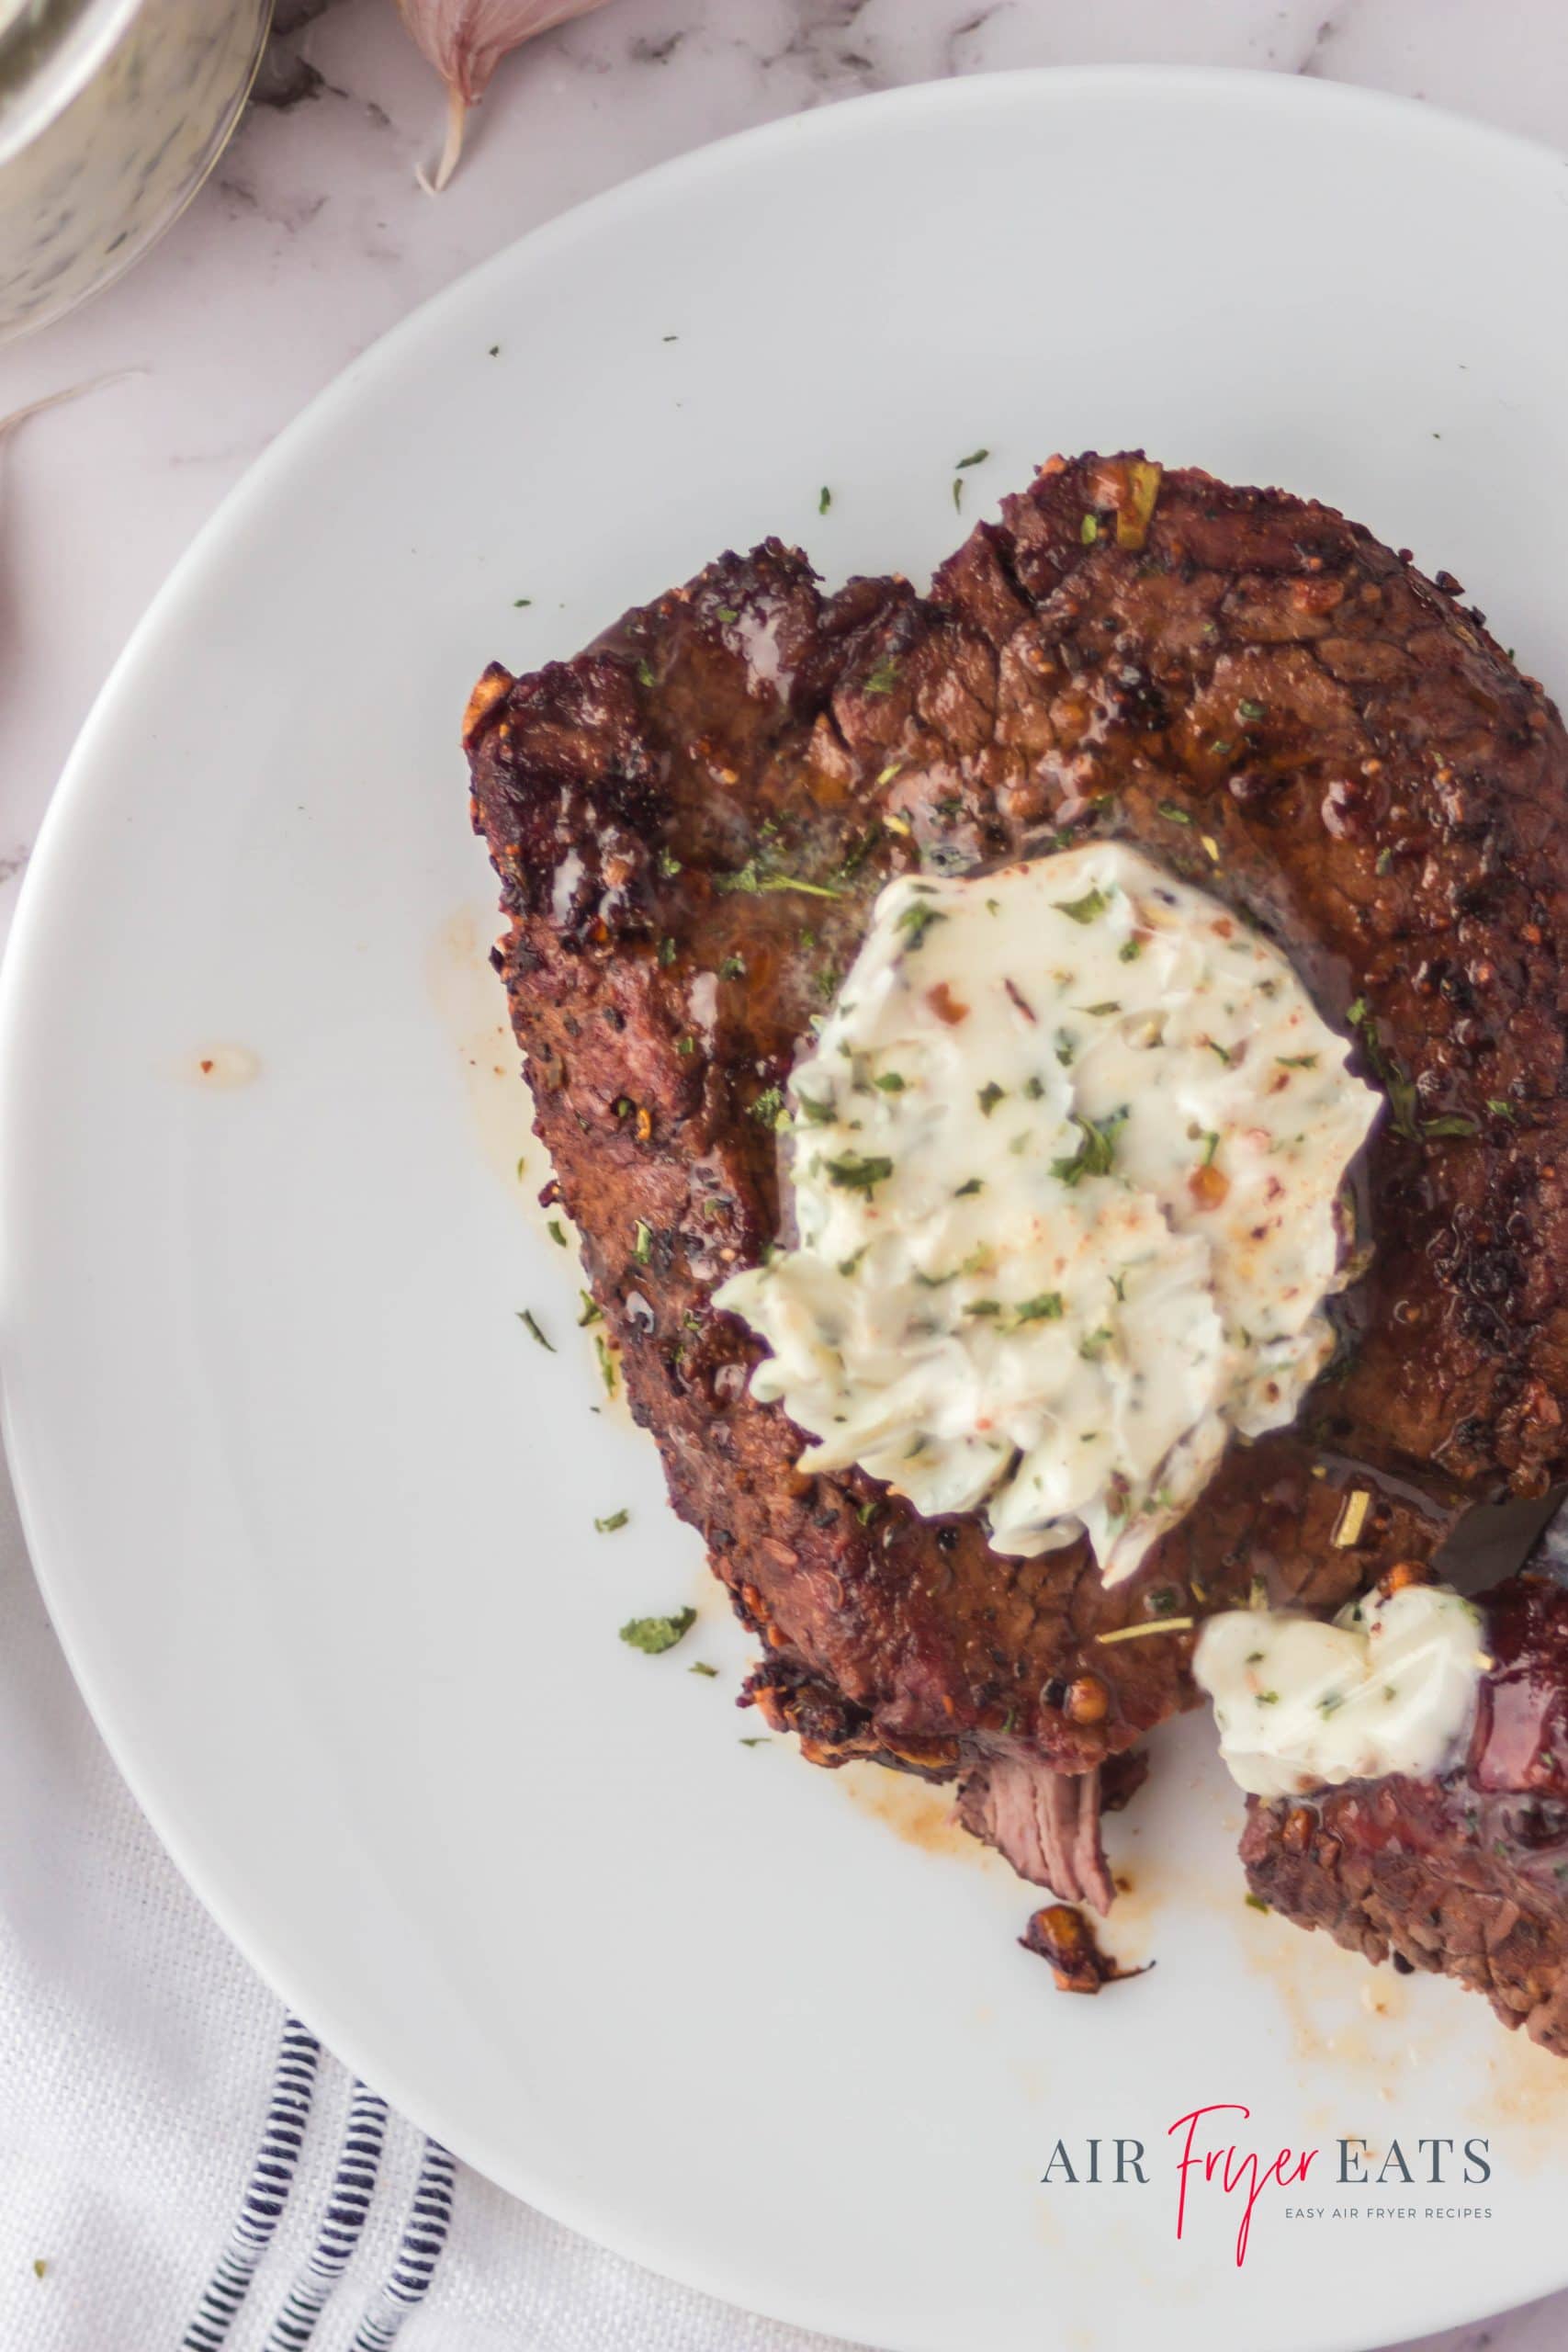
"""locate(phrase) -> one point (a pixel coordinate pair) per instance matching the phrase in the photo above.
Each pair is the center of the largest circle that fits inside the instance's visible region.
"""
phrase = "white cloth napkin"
(139, 2058)
(142, 2064)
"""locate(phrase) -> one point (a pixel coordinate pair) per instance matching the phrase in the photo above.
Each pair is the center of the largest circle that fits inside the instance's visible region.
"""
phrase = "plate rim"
(43, 903)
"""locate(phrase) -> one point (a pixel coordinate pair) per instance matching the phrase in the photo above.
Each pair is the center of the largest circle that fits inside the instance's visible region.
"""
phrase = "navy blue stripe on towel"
(348, 2202)
(266, 2190)
(425, 2234)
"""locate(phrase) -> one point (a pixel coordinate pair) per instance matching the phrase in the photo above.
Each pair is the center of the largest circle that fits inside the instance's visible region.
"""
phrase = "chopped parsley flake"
(989, 1096)
(1085, 909)
(1047, 1308)
(654, 1635)
(1296, 1061)
(1096, 1153)
(1250, 711)
(556, 1233)
(769, 1107)
(669, 865)
(615, 1522)
(917, 920)
(975, 458)
(642, 1245)
(824, 499)
(884, 676)
(645, 674)
(1088, 531)
(732, 969)
(974, 1185)
(701, 1666)
(1175, 813)
(525, 1316)
(856, 1172)
(889, 1082)
(1129, 951)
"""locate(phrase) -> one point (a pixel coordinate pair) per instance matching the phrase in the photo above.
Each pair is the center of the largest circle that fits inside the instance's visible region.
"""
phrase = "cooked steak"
(689, 822)
(1467, 1874)
(1067, 1939)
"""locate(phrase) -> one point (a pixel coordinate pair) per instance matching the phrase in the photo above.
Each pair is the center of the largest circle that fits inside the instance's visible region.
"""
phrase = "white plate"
(313, 1513)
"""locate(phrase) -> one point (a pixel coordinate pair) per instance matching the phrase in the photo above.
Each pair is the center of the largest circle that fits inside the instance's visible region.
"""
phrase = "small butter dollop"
(1389, 1687)
(1065, 1172)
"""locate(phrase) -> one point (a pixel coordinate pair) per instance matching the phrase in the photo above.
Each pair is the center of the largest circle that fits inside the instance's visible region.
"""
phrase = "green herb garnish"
(856, 1172)
(654, 1635)
(1096, 1153)
(917, 920)
(556, 1233)
(525, 1316)
(1093, 903)
(611, 1525)
(642, 1244)
(1047, 1308)
(824, 499)
(989, 1096)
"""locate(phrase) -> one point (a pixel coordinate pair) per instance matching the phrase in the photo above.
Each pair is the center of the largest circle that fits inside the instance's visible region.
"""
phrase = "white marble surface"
(314, 237)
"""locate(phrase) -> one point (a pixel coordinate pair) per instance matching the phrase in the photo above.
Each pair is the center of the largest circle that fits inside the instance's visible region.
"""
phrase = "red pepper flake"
(945, 1005)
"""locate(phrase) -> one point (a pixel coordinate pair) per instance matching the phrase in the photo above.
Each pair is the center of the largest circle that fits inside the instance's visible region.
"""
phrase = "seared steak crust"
(689, 823)
(1466, 1875)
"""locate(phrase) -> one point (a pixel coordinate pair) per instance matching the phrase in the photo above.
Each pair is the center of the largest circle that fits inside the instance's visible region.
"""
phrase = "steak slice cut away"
(1466, 1875)
(689, 822)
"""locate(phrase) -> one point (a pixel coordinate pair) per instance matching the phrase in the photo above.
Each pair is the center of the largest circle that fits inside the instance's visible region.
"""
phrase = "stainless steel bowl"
(112, 113)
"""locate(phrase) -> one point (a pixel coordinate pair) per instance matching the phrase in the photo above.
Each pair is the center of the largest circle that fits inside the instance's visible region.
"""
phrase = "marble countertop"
(313, 237)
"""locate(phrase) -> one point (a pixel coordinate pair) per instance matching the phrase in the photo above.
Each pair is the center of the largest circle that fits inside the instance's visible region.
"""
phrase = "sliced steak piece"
(1046, 1823)
(689, 823)
(1467, 1875)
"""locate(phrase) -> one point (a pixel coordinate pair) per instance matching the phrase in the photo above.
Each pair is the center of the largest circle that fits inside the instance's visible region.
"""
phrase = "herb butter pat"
(1067, 1163)
(1389, 1687)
